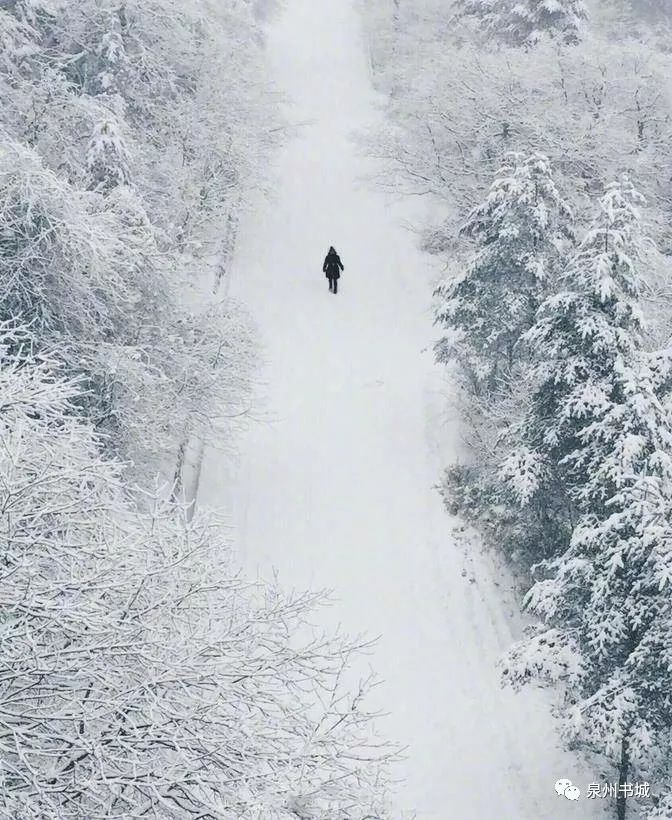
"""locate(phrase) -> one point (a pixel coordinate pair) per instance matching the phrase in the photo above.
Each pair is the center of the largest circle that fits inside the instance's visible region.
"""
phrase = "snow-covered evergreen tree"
(528, 21)
(483, 12)
(599, 422)
(581, 330)
(523, 231)
(107, 159)
(606, 605)
(109, 69)
(520, 231)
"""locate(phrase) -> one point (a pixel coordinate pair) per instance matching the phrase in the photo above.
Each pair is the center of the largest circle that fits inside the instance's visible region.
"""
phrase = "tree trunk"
(192, 493)
(226, 251)
(623, 771)
(179, 470)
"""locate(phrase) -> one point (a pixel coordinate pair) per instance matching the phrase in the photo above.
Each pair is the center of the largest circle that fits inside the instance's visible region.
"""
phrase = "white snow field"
(334, 485)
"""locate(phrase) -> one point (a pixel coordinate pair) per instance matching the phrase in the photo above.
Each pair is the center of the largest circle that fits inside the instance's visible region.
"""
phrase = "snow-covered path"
(334, 488)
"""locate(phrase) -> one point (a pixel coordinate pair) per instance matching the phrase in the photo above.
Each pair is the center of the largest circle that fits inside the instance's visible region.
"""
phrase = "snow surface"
(334, 482)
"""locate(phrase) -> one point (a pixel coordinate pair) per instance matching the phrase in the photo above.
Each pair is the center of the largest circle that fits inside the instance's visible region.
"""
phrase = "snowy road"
(335, 489)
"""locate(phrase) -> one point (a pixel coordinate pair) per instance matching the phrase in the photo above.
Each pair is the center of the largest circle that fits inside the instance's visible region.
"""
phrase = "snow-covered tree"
(484, 12)
(62, 267)
(195, 384)
(523, 231)
(456, 108)
(86, 275)
(593, 319)
(134, 129)
(606, 603)
(143, 675)
(520, 232)
(580, 331)
(107, 158)
(175, 90)
(526, 22)
(599, 423)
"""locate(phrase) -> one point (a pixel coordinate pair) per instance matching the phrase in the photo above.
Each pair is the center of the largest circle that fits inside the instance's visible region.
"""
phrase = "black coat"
(331, 266)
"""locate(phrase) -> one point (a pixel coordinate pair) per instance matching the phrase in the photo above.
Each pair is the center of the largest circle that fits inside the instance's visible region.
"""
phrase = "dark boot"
(335, 285)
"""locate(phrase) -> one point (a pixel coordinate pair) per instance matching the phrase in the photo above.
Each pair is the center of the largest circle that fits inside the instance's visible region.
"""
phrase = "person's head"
(332, 249)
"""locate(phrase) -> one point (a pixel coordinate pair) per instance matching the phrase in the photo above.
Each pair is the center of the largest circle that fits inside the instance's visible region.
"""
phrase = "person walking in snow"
(332, 269)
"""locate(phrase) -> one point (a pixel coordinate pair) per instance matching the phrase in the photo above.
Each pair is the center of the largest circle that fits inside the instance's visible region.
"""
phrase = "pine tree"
(600, 423)
(579, 334)
(484, 12)
(528, 21)
(523, 230)
(606, 606)
(108, 69)
(107, 158)
(520, 231)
